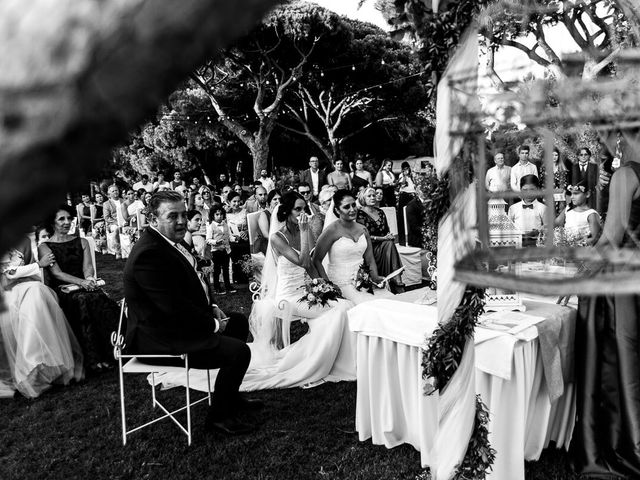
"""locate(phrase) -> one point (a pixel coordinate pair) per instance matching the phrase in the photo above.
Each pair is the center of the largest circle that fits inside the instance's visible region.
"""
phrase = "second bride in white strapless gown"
(348, 246)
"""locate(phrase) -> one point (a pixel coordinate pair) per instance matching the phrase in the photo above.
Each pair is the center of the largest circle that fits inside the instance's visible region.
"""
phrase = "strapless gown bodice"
(345, 258)
(290, 278)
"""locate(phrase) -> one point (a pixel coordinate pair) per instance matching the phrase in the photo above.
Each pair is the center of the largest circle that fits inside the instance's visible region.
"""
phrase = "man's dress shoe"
(249, 404)
(228, 426)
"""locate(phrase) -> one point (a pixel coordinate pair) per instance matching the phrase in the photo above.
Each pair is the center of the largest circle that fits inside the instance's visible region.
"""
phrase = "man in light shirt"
(144, 183)
(314, 177)
(266, 182)
(522, 168)
(528, 215)
(498, 178)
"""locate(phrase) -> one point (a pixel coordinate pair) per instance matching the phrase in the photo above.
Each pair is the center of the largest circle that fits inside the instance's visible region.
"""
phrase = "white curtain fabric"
(462, 70)
(456, 237)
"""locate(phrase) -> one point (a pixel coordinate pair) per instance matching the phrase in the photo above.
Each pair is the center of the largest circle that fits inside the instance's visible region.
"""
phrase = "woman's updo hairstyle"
(287, 203)
(338, 197)
(192, 213)
(233, 194)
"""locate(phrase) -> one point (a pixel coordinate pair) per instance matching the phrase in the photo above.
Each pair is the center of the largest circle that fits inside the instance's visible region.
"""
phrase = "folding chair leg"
(209, 386)
(122, 407)
(153, 390)
(186, 366)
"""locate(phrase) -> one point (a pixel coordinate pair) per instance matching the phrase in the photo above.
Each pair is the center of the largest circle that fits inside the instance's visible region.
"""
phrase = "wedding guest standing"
(86, 213)
(606, 438)
(522, 168)
(415, 219)
(360, 178)
(218, 239)
(561, 176)
(339, 179)
(113, 220)
(237, 220)
(314, 176)
(266, 181)
(92, 315)
(171, 312)
(587, 172)
(387, 181)
(528, 215)
(498, 177)
(259, 201)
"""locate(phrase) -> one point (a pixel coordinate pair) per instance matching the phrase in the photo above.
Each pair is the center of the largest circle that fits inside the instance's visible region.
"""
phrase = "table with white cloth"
(391, 408)
(514, 378)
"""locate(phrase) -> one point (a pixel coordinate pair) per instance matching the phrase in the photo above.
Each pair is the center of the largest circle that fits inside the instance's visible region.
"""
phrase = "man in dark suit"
(314, 177)
(170, 312)
(415, 220)
(586, 172)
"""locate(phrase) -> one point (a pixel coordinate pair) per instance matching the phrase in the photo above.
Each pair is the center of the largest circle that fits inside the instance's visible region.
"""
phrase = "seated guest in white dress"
(349, 246)
(39, 347)
(528, 215)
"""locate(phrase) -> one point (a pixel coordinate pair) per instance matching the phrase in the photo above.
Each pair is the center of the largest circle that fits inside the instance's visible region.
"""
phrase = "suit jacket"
(591, 177)
(168, 309)
(305, 176)
(109, 212)
(415, 219)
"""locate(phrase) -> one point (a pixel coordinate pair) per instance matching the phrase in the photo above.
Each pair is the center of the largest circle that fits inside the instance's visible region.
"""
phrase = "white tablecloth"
(391, 408)
(522, 418)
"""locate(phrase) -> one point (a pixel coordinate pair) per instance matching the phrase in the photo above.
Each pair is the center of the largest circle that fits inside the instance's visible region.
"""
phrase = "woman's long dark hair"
(338, 197)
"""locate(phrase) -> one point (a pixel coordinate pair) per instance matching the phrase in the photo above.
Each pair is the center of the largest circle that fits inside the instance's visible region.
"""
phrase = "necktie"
(527, 206)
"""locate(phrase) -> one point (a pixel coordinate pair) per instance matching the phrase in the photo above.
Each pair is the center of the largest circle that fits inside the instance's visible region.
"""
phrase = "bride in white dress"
(348, 246)
(326, 352)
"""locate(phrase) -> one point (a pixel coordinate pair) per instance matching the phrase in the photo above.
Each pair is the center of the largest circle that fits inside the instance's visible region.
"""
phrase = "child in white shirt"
(218, 239)
(528, 215)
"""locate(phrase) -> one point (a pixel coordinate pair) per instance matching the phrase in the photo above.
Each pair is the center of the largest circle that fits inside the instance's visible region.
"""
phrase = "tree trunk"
(72, 91)
(260, 146)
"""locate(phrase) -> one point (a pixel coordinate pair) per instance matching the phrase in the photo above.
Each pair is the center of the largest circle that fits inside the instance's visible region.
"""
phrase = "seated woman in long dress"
(383, 241)
(39, 348)
(327, 351)
(349, 246)
(92, 315)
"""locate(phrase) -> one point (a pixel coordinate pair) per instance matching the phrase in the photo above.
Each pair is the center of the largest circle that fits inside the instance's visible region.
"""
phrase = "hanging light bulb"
(322, 74)
(382, 62)
(353, 67)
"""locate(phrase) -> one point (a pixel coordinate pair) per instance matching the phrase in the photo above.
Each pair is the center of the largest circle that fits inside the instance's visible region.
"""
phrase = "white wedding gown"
(345, 258)
(325, 353)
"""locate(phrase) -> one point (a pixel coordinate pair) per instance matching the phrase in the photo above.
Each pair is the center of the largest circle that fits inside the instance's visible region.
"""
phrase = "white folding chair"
(254, 229)
(133, 365)
(285, 314)
(392, 219)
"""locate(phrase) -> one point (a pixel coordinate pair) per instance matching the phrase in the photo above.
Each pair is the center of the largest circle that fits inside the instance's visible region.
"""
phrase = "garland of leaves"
(443, 353)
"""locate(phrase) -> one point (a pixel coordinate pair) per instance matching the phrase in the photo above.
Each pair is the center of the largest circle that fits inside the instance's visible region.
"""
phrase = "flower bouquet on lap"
(363, 279)
(319, 292)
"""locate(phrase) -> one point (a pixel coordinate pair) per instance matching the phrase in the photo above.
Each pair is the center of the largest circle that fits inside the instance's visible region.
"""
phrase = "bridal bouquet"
(363, 279)
(319, 291)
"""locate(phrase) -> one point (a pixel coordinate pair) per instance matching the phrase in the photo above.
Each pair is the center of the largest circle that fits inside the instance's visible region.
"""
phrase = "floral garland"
(444, 351)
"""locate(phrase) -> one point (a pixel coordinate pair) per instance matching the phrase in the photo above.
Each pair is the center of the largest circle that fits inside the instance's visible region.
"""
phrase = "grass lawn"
(74, 432)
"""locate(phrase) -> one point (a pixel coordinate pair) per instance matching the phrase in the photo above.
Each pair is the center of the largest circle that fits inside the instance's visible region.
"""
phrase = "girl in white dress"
(348, 245)
(580, 221)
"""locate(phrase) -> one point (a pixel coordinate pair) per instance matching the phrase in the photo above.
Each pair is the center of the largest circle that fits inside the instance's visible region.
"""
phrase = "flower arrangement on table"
(363, 279)
(319, 291)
